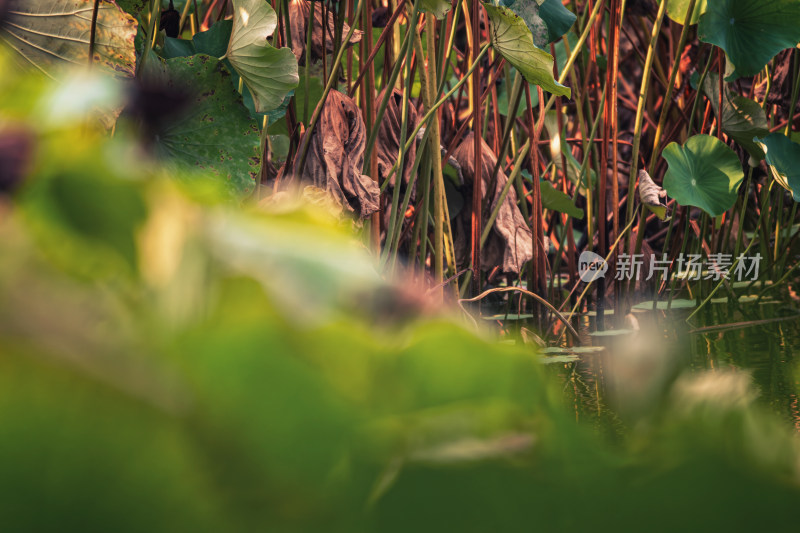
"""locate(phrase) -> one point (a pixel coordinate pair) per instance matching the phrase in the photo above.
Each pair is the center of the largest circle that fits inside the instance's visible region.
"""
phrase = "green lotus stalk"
(434, 143)
(612, 248)
(408, 48)
(155, 16)
(703, 76)
(309, 33)
(645, 87)
(668, 96)
(429, 113)
(395, 216)
(507, 187)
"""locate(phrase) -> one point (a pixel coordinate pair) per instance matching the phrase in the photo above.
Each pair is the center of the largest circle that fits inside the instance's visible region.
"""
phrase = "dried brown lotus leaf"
(336, 155)
(510, 242)
(322, 33)
(651, 194)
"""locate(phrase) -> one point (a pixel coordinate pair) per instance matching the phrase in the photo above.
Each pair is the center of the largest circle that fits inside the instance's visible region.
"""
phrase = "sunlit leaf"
(269, 73)
(512, 38)
(50, 35)
(438, 8)
(676, 10)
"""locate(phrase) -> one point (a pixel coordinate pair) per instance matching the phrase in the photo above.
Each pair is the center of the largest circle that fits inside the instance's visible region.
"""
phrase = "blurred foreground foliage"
(170, 361)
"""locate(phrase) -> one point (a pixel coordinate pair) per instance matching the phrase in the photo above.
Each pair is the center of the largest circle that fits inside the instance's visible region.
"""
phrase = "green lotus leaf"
(676, 10)
(751, 31)
(213, 42)
(269, 73)
(783, 158)
(174, 47)
(512, 38)
(558, 18)
(133, 7)
(438, 8)
(704, 173)
(217, 134)
(548, 20)
(556, 200)
(52, 34)
(742, 118)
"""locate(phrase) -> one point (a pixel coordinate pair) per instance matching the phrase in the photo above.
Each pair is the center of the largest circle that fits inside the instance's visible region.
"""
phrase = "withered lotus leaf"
(510, 242)
(336, 155)
(323, 32)
(388, 141)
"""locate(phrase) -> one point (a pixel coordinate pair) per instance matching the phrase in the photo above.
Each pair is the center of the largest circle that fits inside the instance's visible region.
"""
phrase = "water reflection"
(762, 340)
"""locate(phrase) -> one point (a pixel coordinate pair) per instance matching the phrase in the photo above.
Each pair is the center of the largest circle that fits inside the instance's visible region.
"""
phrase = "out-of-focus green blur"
(171, 361)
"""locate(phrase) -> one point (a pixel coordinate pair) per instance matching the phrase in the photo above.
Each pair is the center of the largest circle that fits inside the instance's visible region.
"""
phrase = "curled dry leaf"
(510, 243)
(651, 194)
(388, 141)
(322, 33)
(336, 155)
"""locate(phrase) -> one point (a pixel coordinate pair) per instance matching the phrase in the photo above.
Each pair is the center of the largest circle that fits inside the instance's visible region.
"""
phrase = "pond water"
(762, 339)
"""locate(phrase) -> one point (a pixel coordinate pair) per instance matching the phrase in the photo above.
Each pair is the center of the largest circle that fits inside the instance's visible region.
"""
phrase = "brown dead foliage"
(336, 155)
(510, 242)
(322, 33)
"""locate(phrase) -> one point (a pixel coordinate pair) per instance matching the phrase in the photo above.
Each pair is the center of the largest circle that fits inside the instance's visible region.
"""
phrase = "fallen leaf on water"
(336, 155)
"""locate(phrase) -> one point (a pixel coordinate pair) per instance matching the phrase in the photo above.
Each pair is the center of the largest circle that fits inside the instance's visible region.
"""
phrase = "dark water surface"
(762, 339)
